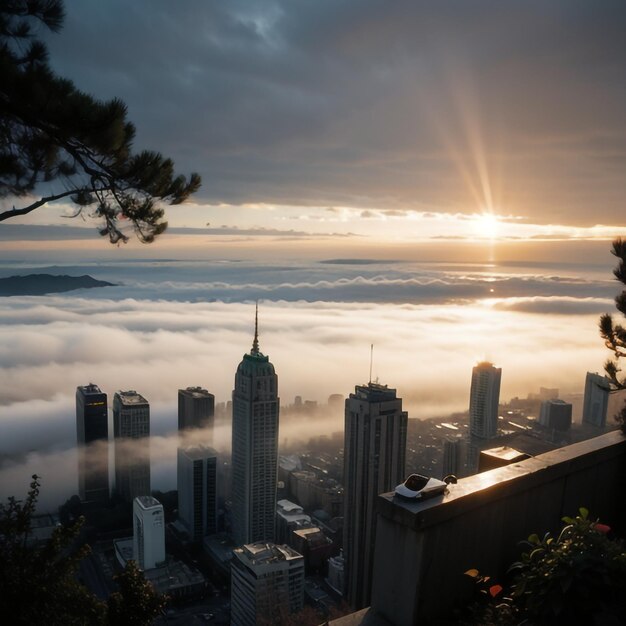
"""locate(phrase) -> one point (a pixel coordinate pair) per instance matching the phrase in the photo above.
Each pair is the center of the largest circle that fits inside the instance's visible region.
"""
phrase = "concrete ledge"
(476, 491)
(423, 548)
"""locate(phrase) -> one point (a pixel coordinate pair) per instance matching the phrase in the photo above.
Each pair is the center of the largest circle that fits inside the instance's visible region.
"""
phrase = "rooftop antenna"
(255, 343)
(371, 360)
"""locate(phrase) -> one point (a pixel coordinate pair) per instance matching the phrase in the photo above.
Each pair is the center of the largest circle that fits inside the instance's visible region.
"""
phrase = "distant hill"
(40, 284)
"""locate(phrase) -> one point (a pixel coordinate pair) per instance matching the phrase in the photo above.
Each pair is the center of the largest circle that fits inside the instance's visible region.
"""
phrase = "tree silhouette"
(38, 583)
(136, 603)
(614, 334)
(60, 139)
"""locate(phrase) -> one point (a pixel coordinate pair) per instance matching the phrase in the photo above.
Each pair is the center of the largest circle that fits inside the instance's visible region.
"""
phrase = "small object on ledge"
(418, 487)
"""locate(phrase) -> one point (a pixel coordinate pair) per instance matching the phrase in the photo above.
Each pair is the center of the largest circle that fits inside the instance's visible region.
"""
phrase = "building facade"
(374, 458)
(254, 448)
(596, 402)
(197, 491)
(556, 414)
(484, 399)
(267, 584)
(92, 437)
(148, 532)
(131, 428)
(453, 454)
(196, 409)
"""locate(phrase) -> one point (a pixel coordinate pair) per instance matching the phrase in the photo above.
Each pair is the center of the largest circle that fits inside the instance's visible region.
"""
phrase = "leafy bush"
(578, 577)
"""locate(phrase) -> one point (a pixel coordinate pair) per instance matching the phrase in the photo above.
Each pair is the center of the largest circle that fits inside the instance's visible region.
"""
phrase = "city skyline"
(510, 274)
(425, 196)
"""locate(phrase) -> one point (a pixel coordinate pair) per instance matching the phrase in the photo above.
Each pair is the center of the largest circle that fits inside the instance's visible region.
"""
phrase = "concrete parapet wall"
(422, 549)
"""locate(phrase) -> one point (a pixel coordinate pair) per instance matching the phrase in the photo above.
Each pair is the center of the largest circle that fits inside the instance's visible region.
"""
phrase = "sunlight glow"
(487, 226)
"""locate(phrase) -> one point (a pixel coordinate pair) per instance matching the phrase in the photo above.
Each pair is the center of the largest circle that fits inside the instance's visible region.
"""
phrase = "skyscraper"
(92, 427)
(254, 447)
(148, 532)
(452, 456)
(267, 584)
(596, 401)
(197, 490)
(484, 398)
(196, 408)
(131, 427)
(374, 456)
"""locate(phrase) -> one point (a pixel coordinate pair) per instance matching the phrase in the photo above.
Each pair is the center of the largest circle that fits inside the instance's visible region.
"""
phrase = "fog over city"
(168, 325)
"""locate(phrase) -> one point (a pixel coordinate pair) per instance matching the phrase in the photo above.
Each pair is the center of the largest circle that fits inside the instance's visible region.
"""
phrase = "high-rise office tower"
(452, 456)
(131, 427)
(484, 398)
(254, 447)
(148, 532)
(374, 456)
(596, 401)
(196, 408)
(267, 584)
(197, 490)
(92, 435)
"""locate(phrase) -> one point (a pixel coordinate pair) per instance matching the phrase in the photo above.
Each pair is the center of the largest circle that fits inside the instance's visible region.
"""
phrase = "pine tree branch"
(5, 215)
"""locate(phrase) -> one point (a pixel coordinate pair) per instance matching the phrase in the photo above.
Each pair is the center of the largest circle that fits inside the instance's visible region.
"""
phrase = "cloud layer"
(173, 324)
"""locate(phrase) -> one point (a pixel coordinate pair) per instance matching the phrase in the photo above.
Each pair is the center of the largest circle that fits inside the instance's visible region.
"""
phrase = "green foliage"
(136, 603)
(54, 135)
(614, 334)
(38, 583)
(578, 577)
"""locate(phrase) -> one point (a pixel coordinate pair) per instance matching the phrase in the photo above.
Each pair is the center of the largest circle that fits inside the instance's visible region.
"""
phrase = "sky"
(401, 121)
(441, 179)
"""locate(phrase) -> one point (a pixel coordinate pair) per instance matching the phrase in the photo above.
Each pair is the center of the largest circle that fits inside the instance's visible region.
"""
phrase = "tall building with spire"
(254, 447)
(374, 457)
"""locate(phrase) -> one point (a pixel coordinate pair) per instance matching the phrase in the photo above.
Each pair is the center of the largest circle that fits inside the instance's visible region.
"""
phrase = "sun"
(487, 226)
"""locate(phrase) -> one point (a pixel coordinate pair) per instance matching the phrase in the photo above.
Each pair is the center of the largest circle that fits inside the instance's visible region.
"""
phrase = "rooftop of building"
(314, 536)
(483, 365)
(123, 550)
(148, 502)
(130, 397)
(287, 506)
(195, 392)
(173, 575)
(198, 452)
(262, 553)
(90, 389)
(557, 401)
(374, 392)
(505, 453)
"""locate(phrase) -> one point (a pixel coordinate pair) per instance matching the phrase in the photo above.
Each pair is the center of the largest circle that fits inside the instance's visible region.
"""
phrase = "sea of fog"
(171, 323)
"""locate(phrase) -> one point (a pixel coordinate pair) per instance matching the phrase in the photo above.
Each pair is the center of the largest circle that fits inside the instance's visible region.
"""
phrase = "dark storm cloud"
(371, 103)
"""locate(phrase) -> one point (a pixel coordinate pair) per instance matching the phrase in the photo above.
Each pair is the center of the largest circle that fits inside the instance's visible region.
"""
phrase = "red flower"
(602, 528)
(494, 590)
